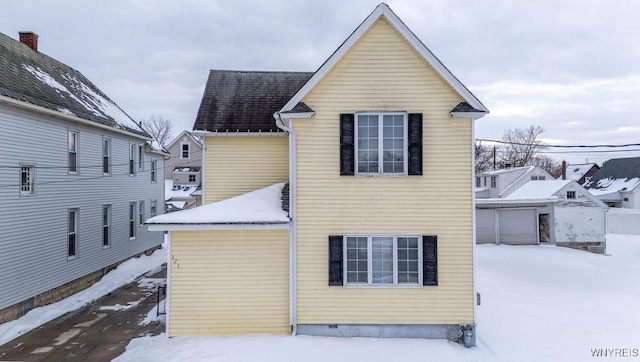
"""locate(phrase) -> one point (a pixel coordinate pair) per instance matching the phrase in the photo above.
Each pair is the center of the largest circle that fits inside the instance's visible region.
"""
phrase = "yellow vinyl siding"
(383, 73)
(239, 164)
(229, 282)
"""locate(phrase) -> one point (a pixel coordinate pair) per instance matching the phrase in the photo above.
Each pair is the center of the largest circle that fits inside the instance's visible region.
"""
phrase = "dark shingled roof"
(616, 168)
(245, 101)
(464, 107)
(32, 77)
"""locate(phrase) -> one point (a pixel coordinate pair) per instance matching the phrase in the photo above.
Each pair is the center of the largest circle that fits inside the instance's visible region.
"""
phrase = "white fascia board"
(516, 201)
(180, 227)
(384, 11)
(474, 115)
(183, 133)
(295, 115)
(237, 134)
(68, 117)
(582, 191)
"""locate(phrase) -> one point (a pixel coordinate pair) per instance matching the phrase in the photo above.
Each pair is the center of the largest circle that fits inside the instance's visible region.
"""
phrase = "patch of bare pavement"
(99, 331)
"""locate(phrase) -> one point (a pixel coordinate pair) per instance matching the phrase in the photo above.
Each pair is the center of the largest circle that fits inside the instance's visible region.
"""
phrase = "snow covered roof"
(507, 170)
(260, 207)
(538, 189)
(618, 174)
(608, 189)
(576, 172)
(189, 169)
(176, 192)
(35, 78)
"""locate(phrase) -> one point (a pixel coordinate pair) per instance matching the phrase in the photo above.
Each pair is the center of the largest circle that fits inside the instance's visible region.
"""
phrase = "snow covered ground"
(539, 303)
(125, 273)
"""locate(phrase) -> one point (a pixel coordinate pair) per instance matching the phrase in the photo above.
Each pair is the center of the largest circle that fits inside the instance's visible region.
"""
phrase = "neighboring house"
(331, 219)
(501, 183)
(559, 212)
(579, 173)
(183, 172)
(616, 183)
(78, 179)
(186, 152)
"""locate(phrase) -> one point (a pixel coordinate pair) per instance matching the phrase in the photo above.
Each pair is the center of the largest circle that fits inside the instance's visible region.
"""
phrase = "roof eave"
(384, 11)
(294, 115)
(220, 226)
(474, 115)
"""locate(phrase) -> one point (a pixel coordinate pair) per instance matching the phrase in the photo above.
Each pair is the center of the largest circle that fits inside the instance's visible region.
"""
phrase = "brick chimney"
(564, 169)
(30, 39)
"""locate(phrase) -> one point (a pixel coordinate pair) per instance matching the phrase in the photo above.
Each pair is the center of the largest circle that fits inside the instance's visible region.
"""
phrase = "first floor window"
(73, 151)
(390, 260)
(478, 184)
(27, 180)
(106, 225)
(141, 212)
(381, 143)
(132, 220)
(72, 241)
(192, 178)
(153, 208)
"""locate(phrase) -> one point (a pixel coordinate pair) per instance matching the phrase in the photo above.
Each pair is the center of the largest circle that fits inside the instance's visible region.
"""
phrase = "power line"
(558, 146)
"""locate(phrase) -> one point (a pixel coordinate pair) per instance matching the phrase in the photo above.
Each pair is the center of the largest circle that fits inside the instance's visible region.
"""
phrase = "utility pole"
(494, 157)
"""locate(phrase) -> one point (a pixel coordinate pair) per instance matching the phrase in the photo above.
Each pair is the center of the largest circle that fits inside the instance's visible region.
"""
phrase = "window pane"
(393, 144)
(367, 143)
(72, 141)
(357, 260)
(382, 260)
(408, 258)
(72, 221)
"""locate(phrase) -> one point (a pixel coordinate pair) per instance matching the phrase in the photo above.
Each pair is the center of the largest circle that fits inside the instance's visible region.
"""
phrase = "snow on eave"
(539, 189)
(260, 207)
(519, 201)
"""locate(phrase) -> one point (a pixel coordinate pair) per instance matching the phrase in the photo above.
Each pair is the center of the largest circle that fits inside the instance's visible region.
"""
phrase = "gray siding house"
(78, 178)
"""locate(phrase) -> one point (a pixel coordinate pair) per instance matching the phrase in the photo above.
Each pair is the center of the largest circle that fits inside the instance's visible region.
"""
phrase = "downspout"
(287, 126)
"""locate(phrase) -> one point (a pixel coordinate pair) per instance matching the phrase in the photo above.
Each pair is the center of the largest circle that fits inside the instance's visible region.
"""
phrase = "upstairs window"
(185, 150)
(73, 151)
(132, 158)
(381, 143)
(27, 180)
(571, 194)
(494, 182)
(153, 170)
(538, 178)
(106, 156)
(141, 213)
(478, 183)
(132, 220)
(153, 208)
(140, 158)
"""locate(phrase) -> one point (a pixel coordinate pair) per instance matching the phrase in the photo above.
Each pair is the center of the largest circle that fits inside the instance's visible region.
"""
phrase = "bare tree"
(548, 164)
(159, 128)
(484, 157)
(521, 146)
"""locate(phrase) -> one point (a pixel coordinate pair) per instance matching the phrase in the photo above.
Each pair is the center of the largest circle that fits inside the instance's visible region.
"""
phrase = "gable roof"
(184, 133)
(539, 189)
(383, 11)
(32, 77)
(523, 176)
(616, 171)
(577, 171)
(244, 101)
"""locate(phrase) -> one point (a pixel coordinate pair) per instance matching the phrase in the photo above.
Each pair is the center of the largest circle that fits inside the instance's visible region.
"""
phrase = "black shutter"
(429, 260)
(335, 260)
(347, 145)
(415, 144)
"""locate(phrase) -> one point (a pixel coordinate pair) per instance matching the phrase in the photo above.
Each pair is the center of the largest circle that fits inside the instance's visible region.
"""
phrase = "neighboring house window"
(153, 170)
(132, 158)
(625, 199)
(192, 178)
(27, 180)
(132, 220)
(485, 181)
(381, 143)
(571, 194)
(73, 151)
(141, 213)
(141, 158)
(72, 241)
(478, 182)
(153, 208)
(494, 180)
(106, 156)
(106, 225)
(538, 178)
(185, 150)
(390, 260)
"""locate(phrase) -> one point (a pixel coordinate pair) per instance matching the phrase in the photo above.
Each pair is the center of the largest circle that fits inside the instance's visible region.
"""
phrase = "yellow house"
(335, 203)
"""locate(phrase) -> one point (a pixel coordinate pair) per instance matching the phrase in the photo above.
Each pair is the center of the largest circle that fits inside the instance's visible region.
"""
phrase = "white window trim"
(140, 157)
(132, 157)
(188, 151)
(109, 208)
(141, 211)
(76, 232)
(154, 171)
(32, 179)
(572, 192)
(132, 218)
(109, 163)
(370, 261)
(493, 182)
(76, 151)
(380, 144)
(153, 205)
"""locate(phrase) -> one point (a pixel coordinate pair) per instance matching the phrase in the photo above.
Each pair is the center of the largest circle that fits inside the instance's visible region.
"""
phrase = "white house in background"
(186, 152)
(559, 212)
(501, 183)
(579, 173)
(616, 183)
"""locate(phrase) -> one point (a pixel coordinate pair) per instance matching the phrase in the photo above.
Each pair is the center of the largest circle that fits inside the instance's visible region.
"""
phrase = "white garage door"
(485, 226)
(518, 226)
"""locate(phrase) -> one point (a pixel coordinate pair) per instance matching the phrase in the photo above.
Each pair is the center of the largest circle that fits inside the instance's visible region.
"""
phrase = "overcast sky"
(571, 66)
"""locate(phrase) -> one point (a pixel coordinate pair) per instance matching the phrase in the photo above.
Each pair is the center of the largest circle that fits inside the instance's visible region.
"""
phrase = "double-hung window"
(72, 233)
(106, 156)
(140, 158)
(73, 151)
(141, 213)
(132, 158)
(382, 260)
(106, 225)
(132, 220)
(185, 150)
(154, 164)
(494, 182)
(381, 146)
(27, 180)
(153, 208)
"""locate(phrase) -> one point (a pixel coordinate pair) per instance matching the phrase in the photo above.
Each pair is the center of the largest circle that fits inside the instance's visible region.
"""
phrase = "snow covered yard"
(539, 303)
